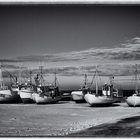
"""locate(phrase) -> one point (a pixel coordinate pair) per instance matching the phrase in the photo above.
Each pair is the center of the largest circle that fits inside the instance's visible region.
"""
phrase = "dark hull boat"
(6, 96)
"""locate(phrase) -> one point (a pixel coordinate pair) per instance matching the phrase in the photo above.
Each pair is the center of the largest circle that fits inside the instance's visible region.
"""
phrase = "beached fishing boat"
(105, 99)
(78, 96)
(25, 93)
(26, 90)
(94, 100)
(6, 95)
(46, 94)
(14, 86)
(134, 100)
(50, 95)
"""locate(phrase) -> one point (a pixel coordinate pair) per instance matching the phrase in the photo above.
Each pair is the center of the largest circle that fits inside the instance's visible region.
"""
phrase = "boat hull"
(133, 101)
(6, 96)
(78, 97)
(26, 96)
(99, 100)
(43, 99)
(15, 90)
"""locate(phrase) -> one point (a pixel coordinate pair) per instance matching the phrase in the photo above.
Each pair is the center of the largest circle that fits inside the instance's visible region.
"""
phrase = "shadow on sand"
(128, 127)
(103, 105)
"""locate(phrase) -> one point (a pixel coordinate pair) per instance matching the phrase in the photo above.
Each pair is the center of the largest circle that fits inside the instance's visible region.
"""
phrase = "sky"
(72, 39)
(42, 29)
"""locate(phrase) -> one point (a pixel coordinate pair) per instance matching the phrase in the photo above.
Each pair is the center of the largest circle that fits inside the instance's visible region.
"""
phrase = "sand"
(62, 119)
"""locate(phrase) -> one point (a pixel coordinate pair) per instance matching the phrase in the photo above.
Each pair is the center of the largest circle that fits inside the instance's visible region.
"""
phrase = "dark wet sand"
(128, 127)
(68, 119)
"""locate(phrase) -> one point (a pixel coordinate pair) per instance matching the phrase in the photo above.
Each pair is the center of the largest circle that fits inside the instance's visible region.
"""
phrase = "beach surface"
(68, 119)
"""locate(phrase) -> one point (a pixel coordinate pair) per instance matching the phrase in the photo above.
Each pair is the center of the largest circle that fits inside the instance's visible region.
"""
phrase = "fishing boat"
(6, 95)
(104, 99)
(50, 94)
(78, 96)
(110, 90)
(14, 86)
(26, 90)
(46, 94)
(134, 100)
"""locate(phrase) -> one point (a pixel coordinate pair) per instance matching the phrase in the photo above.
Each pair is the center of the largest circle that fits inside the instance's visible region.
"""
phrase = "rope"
(11, 76)
(92, 80)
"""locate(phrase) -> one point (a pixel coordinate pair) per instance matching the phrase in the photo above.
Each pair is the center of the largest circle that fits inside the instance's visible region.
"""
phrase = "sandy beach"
(63, 119)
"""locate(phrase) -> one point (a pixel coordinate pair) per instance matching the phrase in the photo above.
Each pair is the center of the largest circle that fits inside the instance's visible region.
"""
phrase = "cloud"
(10, 66)
(130, 50)
(135, 40)
(84, 61)
(127, 51)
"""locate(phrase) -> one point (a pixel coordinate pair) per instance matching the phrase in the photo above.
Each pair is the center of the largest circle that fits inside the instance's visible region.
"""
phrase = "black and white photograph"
(69, 70)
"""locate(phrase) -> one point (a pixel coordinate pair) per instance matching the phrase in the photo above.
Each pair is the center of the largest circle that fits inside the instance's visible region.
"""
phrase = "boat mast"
(1, 76)
(41, 71)
(85, 80)
(55, 79)
(96, 81)
(19, 74)
(136, 79)
(111, 80)
(1, 79)
(30, 76)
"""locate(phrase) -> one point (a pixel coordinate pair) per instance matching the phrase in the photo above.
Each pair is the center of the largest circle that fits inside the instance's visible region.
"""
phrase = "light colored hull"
(98, 100)
(26, 96)
(43, 99)
(16, 90)
(7, 97)
(78, 96)
(33, 96)
(5, 92)
(133, 101)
